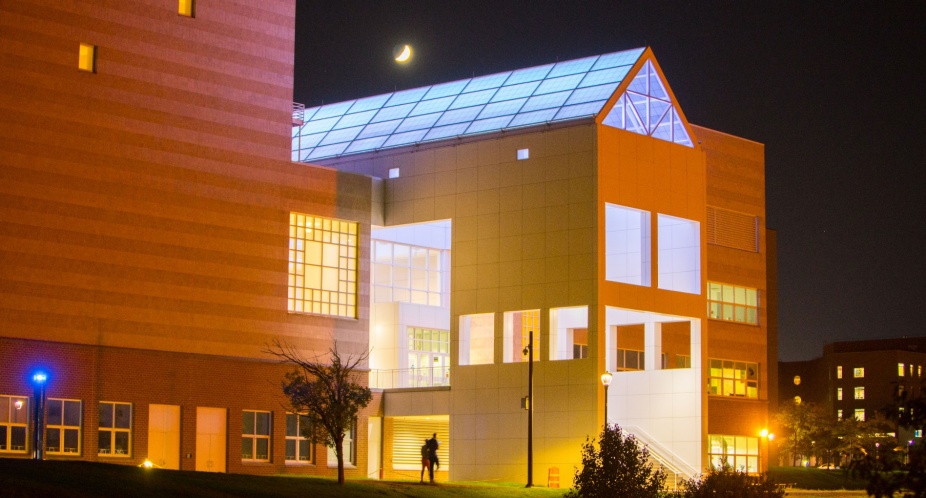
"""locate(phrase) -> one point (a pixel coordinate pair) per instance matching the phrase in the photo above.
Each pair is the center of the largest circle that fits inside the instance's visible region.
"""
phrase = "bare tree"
(327, 392)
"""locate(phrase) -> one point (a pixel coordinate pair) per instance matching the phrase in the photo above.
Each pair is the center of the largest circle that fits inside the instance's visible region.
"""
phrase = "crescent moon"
(405, 55)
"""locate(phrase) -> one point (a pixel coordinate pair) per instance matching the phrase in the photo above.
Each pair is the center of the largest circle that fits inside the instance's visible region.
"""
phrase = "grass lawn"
(27, 478)
(811, 478)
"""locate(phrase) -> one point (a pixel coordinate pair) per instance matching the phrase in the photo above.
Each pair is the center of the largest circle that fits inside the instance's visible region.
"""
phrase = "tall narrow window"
(322, 266)
(115, 429)
(298, 447)
(348, 447)
(86, 60)
(679, 244)
(839, 394)
(839, 372)
(519, 325)
(14, 423)
(627, 245)
(185, 8)
(477, 339)
(255, 436)
(63, 426)
(900, 369)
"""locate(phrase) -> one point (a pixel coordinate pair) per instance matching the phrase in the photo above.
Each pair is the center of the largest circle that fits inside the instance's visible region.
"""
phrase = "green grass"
(811, 478)
(27, 478)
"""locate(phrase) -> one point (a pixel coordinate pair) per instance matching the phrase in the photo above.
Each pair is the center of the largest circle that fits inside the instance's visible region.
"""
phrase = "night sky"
(835, 91)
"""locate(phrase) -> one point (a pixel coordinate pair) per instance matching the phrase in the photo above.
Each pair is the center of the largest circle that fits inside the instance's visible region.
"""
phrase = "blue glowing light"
(39, 377)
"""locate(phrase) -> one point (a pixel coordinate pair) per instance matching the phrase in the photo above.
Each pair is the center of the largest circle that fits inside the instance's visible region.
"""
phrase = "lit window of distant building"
(185, 8)
(733, 378)
(322, 266)
(797, 380)
(298, 447)
(859, 393)
(732, 303)
(255, 436)
(839, 372)
(860, 414)
(858, 372)
(86, 60)
(115, 430)
(797, 400)
(14, 423)
(740, 453)
(839, 414)
(900, 369)
(918, 433)
(839, 393)
(63, 426)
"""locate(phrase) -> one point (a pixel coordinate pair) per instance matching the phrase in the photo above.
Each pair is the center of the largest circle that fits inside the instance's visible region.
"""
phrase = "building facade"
(157, 238)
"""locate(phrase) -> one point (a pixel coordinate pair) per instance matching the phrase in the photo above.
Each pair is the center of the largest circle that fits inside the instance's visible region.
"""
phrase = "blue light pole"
(39, 381)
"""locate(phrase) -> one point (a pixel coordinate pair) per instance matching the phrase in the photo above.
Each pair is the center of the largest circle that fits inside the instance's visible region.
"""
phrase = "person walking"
(432, 445)
(425, 461)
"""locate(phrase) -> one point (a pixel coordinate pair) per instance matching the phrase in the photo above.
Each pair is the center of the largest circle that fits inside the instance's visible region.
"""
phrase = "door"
(164, 436)
(210, 439)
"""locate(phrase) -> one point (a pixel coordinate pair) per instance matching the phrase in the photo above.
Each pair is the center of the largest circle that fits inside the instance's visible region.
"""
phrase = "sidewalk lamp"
(606, 381)
(39, 383)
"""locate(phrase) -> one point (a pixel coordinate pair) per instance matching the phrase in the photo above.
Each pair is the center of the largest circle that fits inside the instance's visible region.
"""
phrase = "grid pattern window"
(732, 303)
(406, 273)
(186, 8)
(518, 327)
(734, 378)
(298, 447)
(477, 339)
(858, 372)
(860, 414)
(115, 429)
(428, 357)
(349, 447)
(14, 423)
(859, 393)
(562, 91)
(322, 266)
(86, 58)
(255, 436)
(63, 426)
(839, 394)
(629, 360)
(741, 453)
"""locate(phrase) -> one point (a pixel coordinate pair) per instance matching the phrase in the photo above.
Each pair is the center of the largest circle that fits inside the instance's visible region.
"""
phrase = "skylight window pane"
(406, 96)
(459, 115)
(638, 84)
(368, 144)
(593, 93)
(309, 141)
(368, 103)
(508, 107)
(485, 125)
(528, 74)
(484, 82)
(358, 119)
(445, 89)
(405, 138)
(559, 84)
(319, 125)
(338, 109)
(515, 91)
(304, 154)
(655, 85)
(529, 118)
(589, 109)
(546, 101)
(447, 131)
(679, 134)
(663, 130)
(612, 75)
(418, 122)
(475, 98)
(397, 112)
(657, 111)
(429, 106)
(618, 59)
(338, 136)
(377, 129)
(309, 113)
(327, 151)
(572, 67)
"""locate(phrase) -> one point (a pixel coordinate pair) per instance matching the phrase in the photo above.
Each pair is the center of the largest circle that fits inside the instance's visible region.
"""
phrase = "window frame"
(751, 451)
(301, 421)
(859, 392)
(256, 437)
(9, 423)
(115, 431)
(718, 309)
(326, 250)
(63, 428)
(349, 446)
(724, 385)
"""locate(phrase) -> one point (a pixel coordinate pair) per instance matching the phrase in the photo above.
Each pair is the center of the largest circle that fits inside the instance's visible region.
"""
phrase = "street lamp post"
(529, 351)
(606, 381)
(39, 381)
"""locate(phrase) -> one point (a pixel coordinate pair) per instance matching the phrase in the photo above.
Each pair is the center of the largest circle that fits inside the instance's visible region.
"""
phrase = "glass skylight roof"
(525, 97)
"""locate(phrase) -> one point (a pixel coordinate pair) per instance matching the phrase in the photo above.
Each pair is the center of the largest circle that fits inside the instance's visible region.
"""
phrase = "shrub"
(728, 482)
(618, 467)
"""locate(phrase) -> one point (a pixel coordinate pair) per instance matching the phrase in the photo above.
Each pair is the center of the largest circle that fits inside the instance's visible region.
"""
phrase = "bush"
(619, 467)
(728, 482)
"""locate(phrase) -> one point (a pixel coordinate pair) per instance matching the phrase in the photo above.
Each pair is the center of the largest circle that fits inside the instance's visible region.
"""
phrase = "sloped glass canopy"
(646, 108)
(562, 91)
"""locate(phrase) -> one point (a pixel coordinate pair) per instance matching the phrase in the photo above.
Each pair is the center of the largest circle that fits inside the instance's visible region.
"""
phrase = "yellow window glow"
(87, 58)
(185, 8)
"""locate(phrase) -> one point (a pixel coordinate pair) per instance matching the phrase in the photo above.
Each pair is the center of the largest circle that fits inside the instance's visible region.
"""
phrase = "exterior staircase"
(676, 469)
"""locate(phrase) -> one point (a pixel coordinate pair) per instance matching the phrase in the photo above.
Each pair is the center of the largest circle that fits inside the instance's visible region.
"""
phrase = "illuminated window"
(839, 393)
(63, 426)
(918, 433)
(629, 360)
(627, 245)
(860, 414)
(428, 357)
(322, 266)
(14, 423)
(115, 431)
(348, 447)
(518, 328)
(900, 369)
(679, 256)
(86, 60)
(797, 400)
(839, 372)
(569, 333)
(733, 378)
(255, 436)
(298, 447)
(858, 372)
(477, 339)
(741, 453)
(859, 393)
(524, 154)
(733, 304)
(839, 414)
(797, 380)
(407, 274)
(185, 8)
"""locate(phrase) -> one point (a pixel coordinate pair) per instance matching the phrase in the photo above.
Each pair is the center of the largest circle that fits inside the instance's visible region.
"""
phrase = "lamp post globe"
(606, 381)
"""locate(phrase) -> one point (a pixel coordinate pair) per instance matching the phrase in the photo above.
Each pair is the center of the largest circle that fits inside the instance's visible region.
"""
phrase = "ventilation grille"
(408, 436)
(731, 229)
